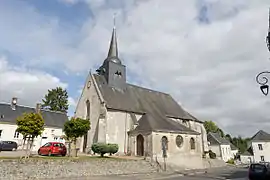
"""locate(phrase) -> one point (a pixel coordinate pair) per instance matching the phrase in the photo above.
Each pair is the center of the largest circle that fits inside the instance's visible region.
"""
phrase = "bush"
(102, 148)
(113, 148)
(230, 161)
(212, 155)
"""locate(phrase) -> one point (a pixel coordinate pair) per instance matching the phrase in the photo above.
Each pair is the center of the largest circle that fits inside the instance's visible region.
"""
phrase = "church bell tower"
(112, 68)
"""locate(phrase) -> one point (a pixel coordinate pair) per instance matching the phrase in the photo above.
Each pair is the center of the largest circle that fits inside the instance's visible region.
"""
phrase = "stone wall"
(89, 93)
(63, 168)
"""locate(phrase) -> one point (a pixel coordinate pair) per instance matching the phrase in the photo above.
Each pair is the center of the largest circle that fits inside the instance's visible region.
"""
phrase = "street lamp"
(262, 78)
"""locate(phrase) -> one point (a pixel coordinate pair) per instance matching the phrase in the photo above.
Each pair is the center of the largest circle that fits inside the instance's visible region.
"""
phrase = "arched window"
(87, 109)
(164, 142)
(192, 143)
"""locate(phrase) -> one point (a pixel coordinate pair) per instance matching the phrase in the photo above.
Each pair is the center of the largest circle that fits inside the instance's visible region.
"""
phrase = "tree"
(75, 128)
(210, 126)
(30, 125)
(228, 137)
(240, 143)
(220, 132)
(56, 100)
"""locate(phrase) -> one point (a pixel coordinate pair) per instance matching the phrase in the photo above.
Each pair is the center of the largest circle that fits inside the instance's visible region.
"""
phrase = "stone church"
(143, 122)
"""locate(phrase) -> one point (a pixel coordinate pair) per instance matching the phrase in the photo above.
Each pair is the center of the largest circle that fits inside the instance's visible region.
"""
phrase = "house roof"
(162, 124)
(51, 118)
(216, 139)
(248, 152)
(261, 136)
(233, 147)
(156, 106)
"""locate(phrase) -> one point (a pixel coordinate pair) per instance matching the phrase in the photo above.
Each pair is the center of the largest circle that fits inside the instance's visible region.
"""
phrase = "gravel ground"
(14, 169)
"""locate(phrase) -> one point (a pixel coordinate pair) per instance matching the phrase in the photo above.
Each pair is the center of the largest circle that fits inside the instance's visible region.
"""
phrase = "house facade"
(143, 122)
(54, 122)
(220, 146)
(259, 149)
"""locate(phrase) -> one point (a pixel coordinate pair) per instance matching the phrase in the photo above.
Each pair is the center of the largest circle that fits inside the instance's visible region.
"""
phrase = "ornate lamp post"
(262, 78)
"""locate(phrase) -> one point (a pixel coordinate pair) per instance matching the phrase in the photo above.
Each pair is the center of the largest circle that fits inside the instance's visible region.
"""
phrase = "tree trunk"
(73, 149)
(28, 147)
(31, 146)
(23, 146)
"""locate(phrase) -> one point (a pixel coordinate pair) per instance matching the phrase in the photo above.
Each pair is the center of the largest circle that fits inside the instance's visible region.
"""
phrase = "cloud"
(27, 85)
(206, 53)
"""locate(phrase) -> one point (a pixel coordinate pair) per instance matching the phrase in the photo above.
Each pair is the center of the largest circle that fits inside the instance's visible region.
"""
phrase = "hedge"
(103, 148)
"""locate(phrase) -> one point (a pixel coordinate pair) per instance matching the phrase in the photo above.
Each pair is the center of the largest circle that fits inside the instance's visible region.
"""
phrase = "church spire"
(113, 50)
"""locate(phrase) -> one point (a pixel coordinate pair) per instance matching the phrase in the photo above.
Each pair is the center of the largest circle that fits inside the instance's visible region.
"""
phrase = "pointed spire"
(113, 51)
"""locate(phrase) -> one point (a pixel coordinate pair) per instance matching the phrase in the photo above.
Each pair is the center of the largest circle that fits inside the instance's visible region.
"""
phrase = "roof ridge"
(45, 110)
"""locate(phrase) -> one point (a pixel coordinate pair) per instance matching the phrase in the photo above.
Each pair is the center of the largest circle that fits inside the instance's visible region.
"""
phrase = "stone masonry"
(11, 169)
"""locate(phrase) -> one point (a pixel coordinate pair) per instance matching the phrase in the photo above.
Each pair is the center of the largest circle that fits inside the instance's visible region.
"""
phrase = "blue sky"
(205, 53)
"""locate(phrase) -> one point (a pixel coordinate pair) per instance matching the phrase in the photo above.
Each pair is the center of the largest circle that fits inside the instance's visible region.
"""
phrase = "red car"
(53, 148)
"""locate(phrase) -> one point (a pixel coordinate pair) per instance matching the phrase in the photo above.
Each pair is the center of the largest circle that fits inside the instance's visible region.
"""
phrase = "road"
(224, 173)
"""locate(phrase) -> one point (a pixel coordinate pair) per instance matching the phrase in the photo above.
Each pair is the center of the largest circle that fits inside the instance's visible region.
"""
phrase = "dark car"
(8, 146)
(53, 148)
(259, 171)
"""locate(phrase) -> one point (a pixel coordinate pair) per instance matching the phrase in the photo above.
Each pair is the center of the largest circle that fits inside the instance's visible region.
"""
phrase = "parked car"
(52, 148)
(8, 146)
(259, 171)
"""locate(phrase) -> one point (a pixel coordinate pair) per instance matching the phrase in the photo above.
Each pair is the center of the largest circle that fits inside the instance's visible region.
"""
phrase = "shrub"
(212, 155)
(230, 161)
(113, 148)
(102, 148)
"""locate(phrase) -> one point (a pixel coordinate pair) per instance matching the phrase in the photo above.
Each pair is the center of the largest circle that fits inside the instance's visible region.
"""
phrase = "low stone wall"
(57, 168)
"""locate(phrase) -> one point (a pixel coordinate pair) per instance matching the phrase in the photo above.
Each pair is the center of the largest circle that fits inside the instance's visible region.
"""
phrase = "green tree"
(228, 137)
(220, 132)
(75, 128)
(210, 126)
(241, 143)
(30, 125)
(56, 100)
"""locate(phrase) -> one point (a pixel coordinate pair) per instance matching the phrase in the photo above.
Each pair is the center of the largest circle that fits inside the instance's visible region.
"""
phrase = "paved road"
(225, 173)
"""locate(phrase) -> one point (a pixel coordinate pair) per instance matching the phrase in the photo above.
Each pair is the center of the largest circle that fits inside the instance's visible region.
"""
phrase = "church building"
(143, 122)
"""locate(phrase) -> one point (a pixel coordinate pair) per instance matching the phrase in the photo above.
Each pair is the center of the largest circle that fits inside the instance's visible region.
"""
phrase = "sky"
(205, 53)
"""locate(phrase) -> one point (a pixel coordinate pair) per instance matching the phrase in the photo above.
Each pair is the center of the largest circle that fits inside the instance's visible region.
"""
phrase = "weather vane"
(262, 78)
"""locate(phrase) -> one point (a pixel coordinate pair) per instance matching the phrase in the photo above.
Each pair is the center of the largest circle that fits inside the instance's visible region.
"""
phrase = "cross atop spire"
(113, 50)
(114, 24)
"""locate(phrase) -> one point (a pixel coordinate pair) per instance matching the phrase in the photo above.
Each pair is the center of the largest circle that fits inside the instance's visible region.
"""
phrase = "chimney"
(14, 103)
(38, 107)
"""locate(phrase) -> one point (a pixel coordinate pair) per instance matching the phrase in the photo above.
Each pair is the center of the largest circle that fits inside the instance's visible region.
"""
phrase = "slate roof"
(156, 106)
(51, 118)
(233, 147)
(216, 139)
(248, 152)
(261, 136)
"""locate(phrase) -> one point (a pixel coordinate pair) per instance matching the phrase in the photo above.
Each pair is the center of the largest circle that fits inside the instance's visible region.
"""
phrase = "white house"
(220, 146)
(234, 150)
(259, 149)
(54, 122)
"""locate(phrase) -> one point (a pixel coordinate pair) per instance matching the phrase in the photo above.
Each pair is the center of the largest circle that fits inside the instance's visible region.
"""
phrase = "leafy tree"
(210, 126)
(220, 132)
(56, 100)
(241, 143)
(30, 125)
(228, 137)
(75, 128)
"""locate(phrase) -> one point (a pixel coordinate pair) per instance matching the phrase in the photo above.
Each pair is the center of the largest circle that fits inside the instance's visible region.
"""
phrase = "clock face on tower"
(88, 84)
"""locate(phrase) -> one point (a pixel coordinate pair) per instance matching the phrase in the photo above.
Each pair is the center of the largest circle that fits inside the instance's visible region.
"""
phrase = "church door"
(140, 147)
